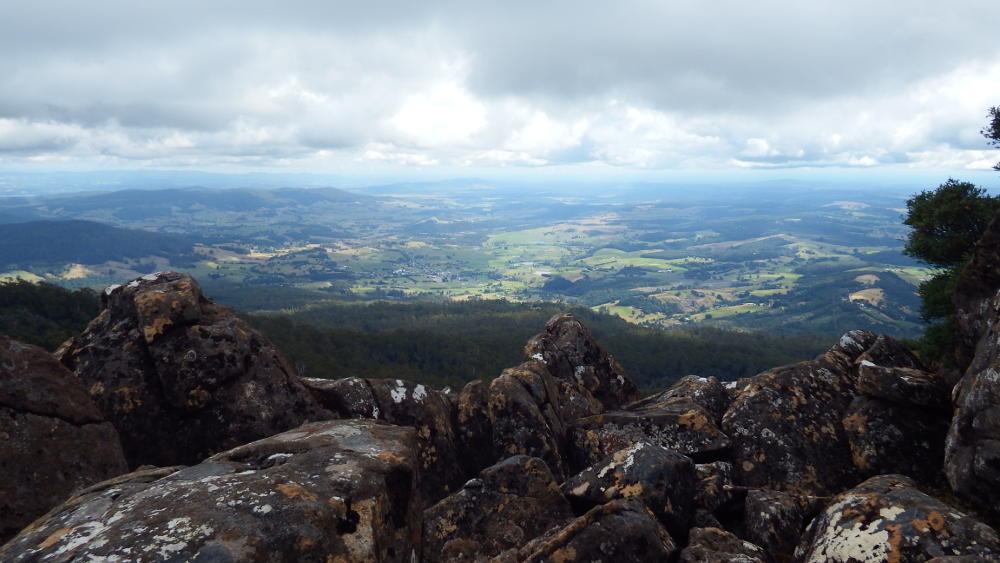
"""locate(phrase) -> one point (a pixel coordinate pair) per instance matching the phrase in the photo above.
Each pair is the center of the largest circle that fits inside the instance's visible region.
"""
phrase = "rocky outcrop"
(787, 433)
(677, 423)
(53, 438)
(972, 450)
(888, 437)
(342, 490)
(662, 479)
(180, 377)
(775, 521)
(403, 403)
(507, 505)
(570, 353)
(707, 392)
(905, 386)
(887, 519)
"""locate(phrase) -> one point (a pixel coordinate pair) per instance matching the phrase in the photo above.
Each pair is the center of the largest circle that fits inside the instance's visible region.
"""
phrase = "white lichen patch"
(538, 356)
(399, 393)
(264, 509)
(419, 393)
(110, 289)
(891, 512)
(866, 363)
(855, 540)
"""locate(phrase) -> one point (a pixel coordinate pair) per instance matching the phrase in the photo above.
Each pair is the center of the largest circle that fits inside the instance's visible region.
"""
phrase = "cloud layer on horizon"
(636, 85)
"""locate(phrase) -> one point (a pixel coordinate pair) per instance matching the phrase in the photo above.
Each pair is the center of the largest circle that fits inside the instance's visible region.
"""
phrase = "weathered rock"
(662, 479)
(571, 354)
(905, 386)
(775, 520)
(886, 351)
(677, 423)
(706, 391)
(509, 504)
(472, 424)
(342, 490)
(848, 349)
(523, 407)
(890, 437)
(53, 439)
(351, 397)
(713, 478)
(787, 432)
(620, 531)
(887, 519)
(712, 545)
(972, 447)
(180, 377)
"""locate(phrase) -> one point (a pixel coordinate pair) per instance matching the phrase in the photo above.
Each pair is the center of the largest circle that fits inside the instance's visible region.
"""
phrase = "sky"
(465, 87)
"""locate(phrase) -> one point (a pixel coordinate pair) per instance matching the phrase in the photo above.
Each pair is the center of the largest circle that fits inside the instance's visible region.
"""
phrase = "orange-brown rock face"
(181, 377)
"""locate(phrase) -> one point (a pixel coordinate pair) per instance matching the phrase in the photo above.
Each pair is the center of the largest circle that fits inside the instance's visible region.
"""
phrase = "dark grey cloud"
(634, 83)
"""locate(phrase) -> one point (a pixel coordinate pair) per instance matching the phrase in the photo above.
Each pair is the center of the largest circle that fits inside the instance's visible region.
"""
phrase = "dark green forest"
(84, 242)
(436, 343)
(449, 343)
(44, 314)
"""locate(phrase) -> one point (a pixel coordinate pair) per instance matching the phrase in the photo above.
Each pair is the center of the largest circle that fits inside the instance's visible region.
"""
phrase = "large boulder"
(887, 437)
(342, 490)
(662, 479)
(887, 519)
(507, 505)
(787, 432)
(705, 391)
(571, 354)
(53, 439)
(905, 386)
(775, 521)
(676, 423)
(403, 403)
(180, 377)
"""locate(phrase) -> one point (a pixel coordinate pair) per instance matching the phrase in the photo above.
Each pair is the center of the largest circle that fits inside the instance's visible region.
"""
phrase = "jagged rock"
(342, 490)
(351, 397)
(706, 391)
(677, 423)
(851, 345)
(888, 352)
(712, 545)
(403, 403)
(887, 519)
(775, 520)
(787, 432)
(523, 407)
(906, 386)
(662, 479)
(713, 478)
(53, 438)
(972, 447)
(509, 504)
(571, 354)
(472, 424)
(619, 531)
(181, 377)
(888, 437)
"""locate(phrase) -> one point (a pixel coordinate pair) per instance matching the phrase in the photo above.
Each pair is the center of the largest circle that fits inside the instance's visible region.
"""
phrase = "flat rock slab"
(678, 424)
(713, 545)
(905, 386)
(886, 518)
(620, 531)
(328, 491)
(53, 439)
(507, 505)
(705, 391)
(180, 377)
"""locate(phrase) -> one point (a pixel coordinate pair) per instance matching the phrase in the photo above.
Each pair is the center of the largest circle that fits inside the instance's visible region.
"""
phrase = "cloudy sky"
(668, 85)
